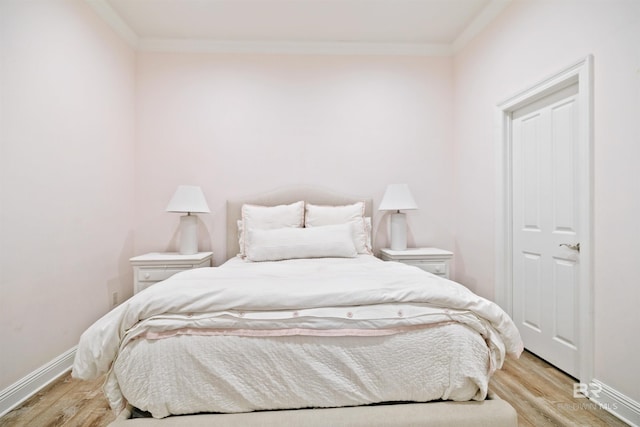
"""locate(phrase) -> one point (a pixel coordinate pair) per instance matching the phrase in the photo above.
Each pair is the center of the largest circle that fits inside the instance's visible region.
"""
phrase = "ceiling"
(423, 27)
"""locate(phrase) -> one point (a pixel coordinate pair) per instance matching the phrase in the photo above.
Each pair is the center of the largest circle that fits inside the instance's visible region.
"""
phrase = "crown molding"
(106, 12)
(299, 48)
(111, 17)
(479, 23)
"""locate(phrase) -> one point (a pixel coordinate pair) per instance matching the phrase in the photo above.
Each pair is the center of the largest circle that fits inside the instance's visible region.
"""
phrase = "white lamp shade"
(397, 197)
(188, 198)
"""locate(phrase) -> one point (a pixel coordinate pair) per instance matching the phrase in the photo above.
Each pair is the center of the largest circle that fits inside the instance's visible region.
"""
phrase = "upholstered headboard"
(315, 195)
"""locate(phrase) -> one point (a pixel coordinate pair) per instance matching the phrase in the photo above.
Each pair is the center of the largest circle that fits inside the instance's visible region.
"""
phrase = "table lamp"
(188, 199)
(397, 198)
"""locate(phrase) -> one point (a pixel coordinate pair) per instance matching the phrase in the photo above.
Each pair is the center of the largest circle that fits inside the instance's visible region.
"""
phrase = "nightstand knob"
(438, 269)
(147, 275)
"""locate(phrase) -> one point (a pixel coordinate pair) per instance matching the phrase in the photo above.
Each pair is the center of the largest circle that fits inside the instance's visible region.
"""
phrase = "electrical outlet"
(114, 298)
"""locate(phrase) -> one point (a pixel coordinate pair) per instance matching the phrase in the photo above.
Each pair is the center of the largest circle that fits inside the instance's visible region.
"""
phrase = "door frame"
(580, 72)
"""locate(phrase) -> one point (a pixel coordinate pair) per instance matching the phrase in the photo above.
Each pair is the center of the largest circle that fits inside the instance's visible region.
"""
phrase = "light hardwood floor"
(541, 394)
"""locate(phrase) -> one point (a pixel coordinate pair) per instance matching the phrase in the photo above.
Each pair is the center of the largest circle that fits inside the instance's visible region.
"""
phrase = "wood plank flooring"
(541, 394)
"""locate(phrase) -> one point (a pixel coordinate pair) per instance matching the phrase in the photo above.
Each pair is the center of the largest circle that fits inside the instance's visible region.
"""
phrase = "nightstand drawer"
(155, 267)
(432, 267)
(141, 286)
(156, 274)
(433, 260)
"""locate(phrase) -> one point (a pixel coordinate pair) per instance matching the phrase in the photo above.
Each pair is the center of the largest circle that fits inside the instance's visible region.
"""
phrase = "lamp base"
(188, 235)
(398, 223)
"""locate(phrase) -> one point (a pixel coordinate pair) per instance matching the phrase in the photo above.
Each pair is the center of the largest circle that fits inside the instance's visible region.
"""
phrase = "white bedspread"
(330, 297)
(246, 374)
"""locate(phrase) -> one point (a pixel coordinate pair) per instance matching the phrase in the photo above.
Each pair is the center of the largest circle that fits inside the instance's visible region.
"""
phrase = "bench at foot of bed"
(492, 412)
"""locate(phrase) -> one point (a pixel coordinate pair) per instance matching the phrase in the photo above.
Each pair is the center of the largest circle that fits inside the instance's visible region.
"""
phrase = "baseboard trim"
(29, 385)
(623, 407)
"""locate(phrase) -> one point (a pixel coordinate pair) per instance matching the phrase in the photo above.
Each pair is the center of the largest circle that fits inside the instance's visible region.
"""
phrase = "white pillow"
(269, 217)
(367, 229)
(318, 215)
(240, 238)
(331, 241)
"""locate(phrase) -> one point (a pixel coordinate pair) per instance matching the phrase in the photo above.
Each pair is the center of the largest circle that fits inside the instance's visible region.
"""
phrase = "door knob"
(575, 247)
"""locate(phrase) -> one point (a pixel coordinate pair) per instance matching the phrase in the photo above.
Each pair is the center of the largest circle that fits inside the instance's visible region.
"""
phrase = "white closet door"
(546, 256)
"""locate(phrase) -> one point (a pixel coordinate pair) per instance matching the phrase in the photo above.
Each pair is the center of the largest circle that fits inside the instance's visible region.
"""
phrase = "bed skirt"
(492, 412)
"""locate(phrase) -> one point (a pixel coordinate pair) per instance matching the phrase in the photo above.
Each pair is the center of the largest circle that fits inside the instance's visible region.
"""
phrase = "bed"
(306, 327)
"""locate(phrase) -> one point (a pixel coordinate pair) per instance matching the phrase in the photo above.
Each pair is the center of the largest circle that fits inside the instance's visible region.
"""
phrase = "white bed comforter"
(329, 297)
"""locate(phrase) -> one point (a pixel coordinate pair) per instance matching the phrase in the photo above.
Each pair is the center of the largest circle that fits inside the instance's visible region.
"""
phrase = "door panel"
(546, 215)
(533, 291)
(566, 303)
(563, 146)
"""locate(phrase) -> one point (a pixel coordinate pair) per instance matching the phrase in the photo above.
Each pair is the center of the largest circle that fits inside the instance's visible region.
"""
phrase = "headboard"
(283, 196)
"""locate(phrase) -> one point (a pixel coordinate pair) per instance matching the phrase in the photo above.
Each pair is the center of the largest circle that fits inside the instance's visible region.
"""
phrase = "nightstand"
(433, 260)
(157, 266)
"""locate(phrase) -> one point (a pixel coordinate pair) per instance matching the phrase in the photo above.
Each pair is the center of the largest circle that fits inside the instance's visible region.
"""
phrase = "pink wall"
(529, 42)
(239, 125)
(66, 173)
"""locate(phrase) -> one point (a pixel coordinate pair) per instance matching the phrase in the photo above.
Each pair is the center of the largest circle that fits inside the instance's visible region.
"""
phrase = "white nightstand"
(157, 266)
(433, 260)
